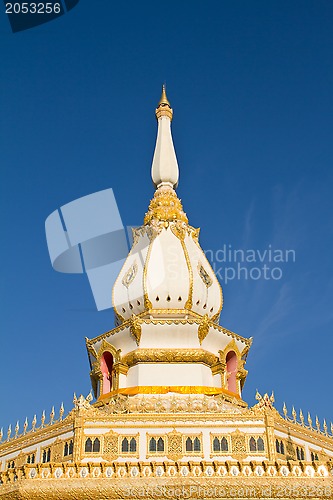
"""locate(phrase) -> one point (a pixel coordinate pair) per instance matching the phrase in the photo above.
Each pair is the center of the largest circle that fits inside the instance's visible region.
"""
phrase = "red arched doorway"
(106, 369)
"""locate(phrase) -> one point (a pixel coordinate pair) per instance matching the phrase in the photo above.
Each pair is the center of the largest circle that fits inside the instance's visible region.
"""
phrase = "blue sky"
(251, 88)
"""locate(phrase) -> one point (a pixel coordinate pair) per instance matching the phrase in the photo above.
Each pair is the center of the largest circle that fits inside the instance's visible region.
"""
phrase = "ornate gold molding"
(203, 328)
(135, 328)
(169, 356)
(196, 319)
(110, 446)
(175, 445)
(165, 207)
(137, 479)
(238, 444)
(164, 389)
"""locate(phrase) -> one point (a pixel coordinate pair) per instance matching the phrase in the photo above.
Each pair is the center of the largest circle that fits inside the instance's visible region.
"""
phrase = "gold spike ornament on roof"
(164, 107)
(165, 206)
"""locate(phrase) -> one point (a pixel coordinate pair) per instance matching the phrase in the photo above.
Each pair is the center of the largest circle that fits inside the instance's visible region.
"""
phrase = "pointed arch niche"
(107, 358)
(234, 374)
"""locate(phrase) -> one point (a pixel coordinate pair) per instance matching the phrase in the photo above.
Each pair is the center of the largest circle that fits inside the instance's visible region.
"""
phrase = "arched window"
(224, 444)
(88, 446)
(231, 361)
(66, 450)
(260, 444)
(277, 446)
(253, 444)
(302, 454)
(189, 444)
(70, 448)
(133, 445)
(152, 444)
(216, 444)
(106, 369)
(96, 445)
(196, 444)
(298, 454)
(282, 447)
(160, 444)
(125, 445)
(46, 457)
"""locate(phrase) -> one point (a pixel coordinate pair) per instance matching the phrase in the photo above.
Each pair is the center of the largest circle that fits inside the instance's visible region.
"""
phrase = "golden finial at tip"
(164, 99)
(164, 107)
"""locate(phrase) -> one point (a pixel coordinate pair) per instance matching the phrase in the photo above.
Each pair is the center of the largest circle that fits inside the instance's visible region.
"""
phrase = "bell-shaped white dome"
(166, 271)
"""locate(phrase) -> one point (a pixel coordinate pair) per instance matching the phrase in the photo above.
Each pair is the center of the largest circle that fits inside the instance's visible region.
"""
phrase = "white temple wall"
(169, 374)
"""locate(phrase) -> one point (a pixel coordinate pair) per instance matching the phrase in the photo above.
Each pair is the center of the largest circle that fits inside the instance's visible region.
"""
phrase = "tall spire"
(165, 167)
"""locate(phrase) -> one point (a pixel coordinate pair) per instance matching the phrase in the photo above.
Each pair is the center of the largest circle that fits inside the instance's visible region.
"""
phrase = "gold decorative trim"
(159, 389)
(91, 349)
(135, 328)
(110, 446)
(175, 447)
(203, 328)
(238, 444)
(170, 321)
(189, 302)
(67, 481)
(165, 207)
(107, 347)
(164, 407)
(169, 356)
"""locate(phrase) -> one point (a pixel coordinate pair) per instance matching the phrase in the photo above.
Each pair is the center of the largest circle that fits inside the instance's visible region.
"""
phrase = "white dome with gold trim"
(167, 301)
(166, 271)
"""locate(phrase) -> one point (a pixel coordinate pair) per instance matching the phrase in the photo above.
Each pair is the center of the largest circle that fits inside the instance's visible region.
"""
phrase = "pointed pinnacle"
(301, 417)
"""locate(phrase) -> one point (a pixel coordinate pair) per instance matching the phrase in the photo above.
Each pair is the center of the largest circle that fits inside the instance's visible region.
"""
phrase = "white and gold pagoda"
(168, 420)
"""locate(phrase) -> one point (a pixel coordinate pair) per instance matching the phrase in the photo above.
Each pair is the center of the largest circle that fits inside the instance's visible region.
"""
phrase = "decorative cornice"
(169, 321)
